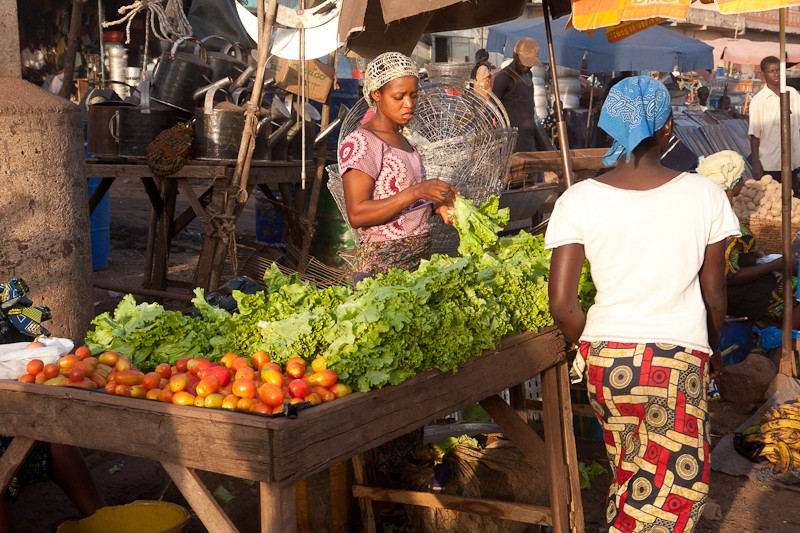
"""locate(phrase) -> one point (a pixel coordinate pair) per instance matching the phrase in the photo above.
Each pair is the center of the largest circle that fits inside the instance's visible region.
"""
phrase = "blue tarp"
(654, 48)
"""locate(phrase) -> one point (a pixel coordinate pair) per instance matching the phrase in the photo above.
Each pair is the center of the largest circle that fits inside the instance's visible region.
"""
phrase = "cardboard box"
(319, 77)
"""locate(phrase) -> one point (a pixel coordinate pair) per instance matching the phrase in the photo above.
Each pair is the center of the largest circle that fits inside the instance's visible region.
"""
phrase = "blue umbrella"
(654, 48)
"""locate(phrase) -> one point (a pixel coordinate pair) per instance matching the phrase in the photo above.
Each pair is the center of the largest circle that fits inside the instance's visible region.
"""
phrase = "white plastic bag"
(14, 357)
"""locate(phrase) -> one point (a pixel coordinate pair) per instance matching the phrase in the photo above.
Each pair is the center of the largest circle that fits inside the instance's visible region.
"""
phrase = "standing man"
(514, 87)
(765, 126)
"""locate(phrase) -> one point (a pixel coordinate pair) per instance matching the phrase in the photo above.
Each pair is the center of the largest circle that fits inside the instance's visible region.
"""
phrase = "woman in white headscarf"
(755, 289)
(386, 193)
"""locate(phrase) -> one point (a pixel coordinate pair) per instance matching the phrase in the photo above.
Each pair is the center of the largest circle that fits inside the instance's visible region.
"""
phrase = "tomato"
(295, 369)
(66, 362)
(122, 390)
(87, 367)
(151, 380)
(34, 366)
(108, 358)
(91, 361)
(262, 408)
(182, 365)
(50, 370)
(213, 400)
(105, 370)
(153, 394)
(228, 358)
(229, 402)
(58, 381)
(165, 395)
(222, 373)
(40, 378)
(259, 359)
(240, 362)
(296, 400)
(82, 352)
(100, 380)
(299, 388)
(319, 364)
(76, 373)
(270, 394)
(129, 377)
(83, 384)
(27, 378)
(207, 385)
(138, 391)
(277, 410)
(123, 363)
(313, 398)
(164, 370)
(325, 394)
(246, 403)
(182, 398)
(199, 401)
(110, 387)
(271, 366)
(244, 388)
(323, 378)
(179, 382)
(197, 363)
(245, 372)
(270, 376)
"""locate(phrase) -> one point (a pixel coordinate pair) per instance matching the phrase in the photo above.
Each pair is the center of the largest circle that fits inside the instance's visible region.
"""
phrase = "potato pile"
(762, 199)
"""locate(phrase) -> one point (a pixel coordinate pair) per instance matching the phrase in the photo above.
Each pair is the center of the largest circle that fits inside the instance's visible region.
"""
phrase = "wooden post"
(553, 438)
(10, 62)
(72, 47)
(278, 507)
(13, 457)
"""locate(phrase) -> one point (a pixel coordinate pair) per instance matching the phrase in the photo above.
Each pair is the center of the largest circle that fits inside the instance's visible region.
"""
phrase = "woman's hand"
(436, 191)
(715, 361)
(446, 212)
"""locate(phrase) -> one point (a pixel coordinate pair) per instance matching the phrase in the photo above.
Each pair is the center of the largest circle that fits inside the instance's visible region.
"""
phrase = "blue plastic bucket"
(100, 226)
(740, 333)
(269, 223)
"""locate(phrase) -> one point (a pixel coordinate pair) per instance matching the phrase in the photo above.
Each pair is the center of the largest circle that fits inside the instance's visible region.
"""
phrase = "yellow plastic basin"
(141, 516)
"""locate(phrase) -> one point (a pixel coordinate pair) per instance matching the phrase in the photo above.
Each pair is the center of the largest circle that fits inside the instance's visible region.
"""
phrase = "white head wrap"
(725, 168)
(385, 68)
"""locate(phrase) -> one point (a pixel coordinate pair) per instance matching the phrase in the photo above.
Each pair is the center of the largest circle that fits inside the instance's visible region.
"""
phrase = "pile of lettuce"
(384, 331)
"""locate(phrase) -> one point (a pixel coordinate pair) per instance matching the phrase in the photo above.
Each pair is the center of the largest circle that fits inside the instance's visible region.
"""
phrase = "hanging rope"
(168, 23)
(223, 227)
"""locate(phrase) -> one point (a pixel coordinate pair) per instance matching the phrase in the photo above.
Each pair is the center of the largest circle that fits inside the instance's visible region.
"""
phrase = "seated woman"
(755, 289)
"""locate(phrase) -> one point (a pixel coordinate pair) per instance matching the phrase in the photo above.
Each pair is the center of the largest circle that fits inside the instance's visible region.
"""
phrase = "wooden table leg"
(169, 189)
(278, 507)
(200, 498)
(361, 477)
(570, 454)
(554, 440)
(516, 395)
(517, 430)
(12, 459)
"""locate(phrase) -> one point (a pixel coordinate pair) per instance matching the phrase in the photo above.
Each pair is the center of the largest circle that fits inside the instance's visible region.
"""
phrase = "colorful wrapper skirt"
(651, 402)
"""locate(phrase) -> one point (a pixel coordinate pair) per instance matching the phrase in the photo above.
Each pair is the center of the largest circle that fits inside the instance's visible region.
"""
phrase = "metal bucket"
(218, 130)
(101, 139)
(179, 74)
(136, 127)
(222, 63)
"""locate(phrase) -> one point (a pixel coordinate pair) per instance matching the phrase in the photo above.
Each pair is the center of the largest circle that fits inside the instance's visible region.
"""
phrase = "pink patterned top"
(393, 170)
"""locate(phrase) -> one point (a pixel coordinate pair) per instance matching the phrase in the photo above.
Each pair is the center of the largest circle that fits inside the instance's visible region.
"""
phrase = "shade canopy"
(746, 52)
(654, 48)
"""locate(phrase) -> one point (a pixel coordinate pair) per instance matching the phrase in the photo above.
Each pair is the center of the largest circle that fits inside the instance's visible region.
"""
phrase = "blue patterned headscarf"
(634, 110)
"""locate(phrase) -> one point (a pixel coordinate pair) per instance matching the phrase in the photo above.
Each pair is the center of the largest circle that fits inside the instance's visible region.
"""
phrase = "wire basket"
(767, 232)
(449, 70)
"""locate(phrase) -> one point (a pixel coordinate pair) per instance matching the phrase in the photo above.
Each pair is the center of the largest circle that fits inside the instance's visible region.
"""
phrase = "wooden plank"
(361, 476)
(200, 498)
(12, 459)
(269, 172)
(517, 430)
(559, 487)
(189, 214)
(360, 422)
(570, 453)
(516, 396)
(278, 507)
(519, 512)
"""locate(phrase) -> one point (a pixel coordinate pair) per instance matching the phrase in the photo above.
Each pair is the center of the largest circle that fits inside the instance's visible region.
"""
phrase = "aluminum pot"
(218, 129)
(179, 74)
(136, 127)
(222, 63)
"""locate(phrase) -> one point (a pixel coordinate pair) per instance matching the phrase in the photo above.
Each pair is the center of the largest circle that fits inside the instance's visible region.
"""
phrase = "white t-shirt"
(765, 124)
(645, 249)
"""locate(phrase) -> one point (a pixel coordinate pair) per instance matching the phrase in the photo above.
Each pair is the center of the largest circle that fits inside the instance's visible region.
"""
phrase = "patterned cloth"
(385, 68)
(634, 110)
(651, 402)
(725, 168)
(379, 257)
(393, 170)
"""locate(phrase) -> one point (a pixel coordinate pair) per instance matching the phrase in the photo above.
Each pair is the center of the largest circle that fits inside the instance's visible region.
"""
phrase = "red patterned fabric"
(651, 401)
(393, 171)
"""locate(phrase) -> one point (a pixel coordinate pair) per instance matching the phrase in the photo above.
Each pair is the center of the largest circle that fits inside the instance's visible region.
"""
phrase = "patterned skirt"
(378, 257)
(651, 402)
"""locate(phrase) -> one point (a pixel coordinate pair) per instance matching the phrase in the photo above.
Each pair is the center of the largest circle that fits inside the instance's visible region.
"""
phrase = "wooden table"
(207, 206)
(278, 452)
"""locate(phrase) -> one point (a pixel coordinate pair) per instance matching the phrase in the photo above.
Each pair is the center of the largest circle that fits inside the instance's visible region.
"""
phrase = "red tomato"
(165, 395)
(153, 394)
(108, 358)
(27, 378)
(295, 369)
(138, 391)
(129, 377)
(299, 388)
(122, 390)
(123, 363)
(246, 403)
(207, 385)
(222, 373)
(34, 366)
(50, 370)
(164, 370)
(271, 366)
(313, 398)
(182, 398)
(82, 352)
(323, 378)
(40, 378)
(244, 388)
(229, 402)
(262, 408)
(325, 394)
(76, 373)
(259, 359)
(240, 362)
(66, 362)
(245, 372)
(197, 363)
(182, 365)
(270, 376)
(178, 382)
(227, 359)
(270, 394)
(100, 380)
(110, 387)
(151, 380)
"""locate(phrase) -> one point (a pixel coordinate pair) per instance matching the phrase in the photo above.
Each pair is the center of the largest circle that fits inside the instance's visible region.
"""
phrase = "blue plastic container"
(100, 225)
(740, 333)
(269, 223)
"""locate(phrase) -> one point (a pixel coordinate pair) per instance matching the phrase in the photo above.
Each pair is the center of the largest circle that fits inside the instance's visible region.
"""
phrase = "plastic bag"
(14, 356)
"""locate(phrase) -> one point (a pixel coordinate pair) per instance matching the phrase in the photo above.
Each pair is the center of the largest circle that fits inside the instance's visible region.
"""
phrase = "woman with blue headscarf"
(655, 242)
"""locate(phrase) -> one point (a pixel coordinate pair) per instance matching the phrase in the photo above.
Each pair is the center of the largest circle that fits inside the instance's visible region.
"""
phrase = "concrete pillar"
(9, 42)
(44, 231)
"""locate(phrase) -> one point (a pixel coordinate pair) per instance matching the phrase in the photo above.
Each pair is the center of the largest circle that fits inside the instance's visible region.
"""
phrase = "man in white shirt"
(765, 126)
(33, 63)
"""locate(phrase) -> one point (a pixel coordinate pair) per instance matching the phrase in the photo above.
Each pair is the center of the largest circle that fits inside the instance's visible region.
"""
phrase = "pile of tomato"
(247, 383)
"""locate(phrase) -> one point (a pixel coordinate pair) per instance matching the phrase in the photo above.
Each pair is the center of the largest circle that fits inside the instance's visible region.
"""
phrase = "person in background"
(55, 82)
(754, 287)
(646, 345)
(482, 71)
(33, 63)
(703, 93)
(765, 126)
(513, 85)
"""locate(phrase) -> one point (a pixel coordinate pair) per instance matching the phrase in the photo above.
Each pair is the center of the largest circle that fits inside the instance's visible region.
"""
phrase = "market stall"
(280, 451)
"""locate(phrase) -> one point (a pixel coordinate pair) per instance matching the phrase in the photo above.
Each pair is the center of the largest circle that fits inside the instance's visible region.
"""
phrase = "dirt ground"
(747, 506)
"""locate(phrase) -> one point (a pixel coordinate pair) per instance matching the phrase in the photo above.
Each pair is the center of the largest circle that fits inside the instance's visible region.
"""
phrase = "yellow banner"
(626, 29)
(728, 7)
(592, 14)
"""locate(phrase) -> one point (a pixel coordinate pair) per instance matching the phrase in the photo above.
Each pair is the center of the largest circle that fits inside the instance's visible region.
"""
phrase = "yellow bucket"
(141, 516)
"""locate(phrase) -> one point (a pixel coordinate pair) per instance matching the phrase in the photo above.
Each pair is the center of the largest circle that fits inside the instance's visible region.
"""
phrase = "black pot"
(178, 75)
(101, 116)
(222, 63)
(218, 130)
(137, 126)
